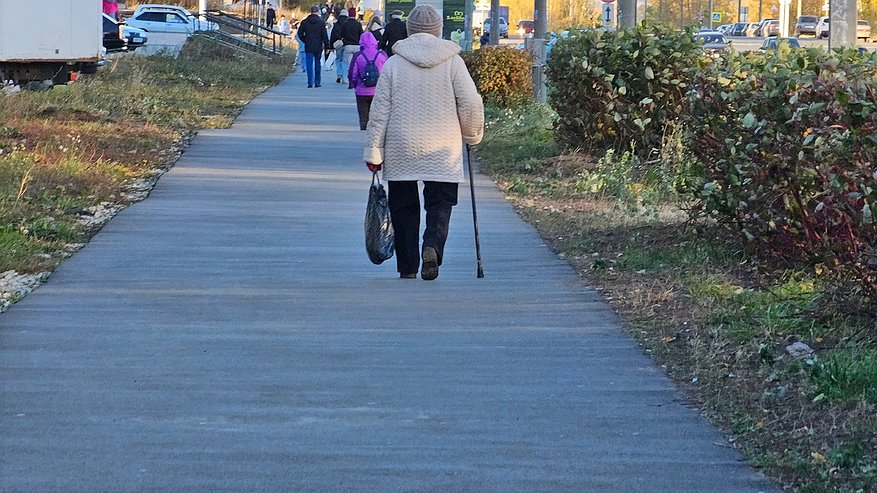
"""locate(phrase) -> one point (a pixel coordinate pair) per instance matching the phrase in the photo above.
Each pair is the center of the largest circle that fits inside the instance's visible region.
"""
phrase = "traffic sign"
(717, 17)
(608, 15)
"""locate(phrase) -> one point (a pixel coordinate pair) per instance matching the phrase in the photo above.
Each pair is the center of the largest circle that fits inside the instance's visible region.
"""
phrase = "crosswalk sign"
(717, 17)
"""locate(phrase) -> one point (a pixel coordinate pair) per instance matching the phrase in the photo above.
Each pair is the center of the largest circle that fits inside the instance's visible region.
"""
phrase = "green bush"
(611, 88)
(785, 147)
(502, 74)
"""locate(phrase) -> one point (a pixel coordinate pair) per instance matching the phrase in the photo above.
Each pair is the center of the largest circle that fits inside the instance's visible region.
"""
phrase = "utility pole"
(536, 47)
(494, 22)
(681, 14)
(467, 26)
(709, 8)
(540, 29)
(626, 14)
(842, 23)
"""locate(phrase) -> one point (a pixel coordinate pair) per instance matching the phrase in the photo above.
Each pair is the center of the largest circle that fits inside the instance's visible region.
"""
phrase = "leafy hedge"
(611, 88)
(785, 149)
(502, 74)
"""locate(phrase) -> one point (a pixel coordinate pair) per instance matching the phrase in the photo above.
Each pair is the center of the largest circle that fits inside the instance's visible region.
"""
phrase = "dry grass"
(66, 150)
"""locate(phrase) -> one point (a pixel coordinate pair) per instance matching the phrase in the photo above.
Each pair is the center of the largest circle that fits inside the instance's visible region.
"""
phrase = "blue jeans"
(300, 60)
(312, 63)
(341, 63)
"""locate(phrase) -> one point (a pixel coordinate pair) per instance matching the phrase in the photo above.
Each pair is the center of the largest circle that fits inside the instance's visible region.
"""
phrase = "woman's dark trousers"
(363, 105)
(404, 200)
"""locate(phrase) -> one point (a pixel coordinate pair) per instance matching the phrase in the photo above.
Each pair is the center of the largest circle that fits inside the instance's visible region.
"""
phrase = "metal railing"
(260, 35)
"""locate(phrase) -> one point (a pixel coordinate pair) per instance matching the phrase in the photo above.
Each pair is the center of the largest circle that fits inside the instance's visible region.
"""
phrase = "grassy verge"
(728, 329)
(72, 155)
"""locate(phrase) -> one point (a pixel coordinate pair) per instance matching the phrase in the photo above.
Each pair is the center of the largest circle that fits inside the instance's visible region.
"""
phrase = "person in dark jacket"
(347, 30)
(395, 30)
(270, 16)
(312, 32)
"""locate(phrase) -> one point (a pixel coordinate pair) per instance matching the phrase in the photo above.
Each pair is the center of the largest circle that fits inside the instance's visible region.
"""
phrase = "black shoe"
(412, 275)
(310, 87)
(429, 271)
(318, 85)
(338, 80)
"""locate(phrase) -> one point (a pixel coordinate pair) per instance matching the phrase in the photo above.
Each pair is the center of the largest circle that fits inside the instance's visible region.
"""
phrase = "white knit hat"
(424, 19)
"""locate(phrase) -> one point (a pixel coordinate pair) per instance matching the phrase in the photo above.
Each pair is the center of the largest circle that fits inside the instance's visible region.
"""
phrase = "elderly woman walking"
(425, 107)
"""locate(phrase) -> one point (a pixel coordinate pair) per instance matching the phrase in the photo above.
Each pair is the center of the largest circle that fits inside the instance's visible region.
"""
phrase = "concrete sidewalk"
(230, 334)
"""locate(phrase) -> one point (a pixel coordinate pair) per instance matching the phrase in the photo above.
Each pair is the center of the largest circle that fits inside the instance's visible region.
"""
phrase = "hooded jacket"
(425, 107)
(368, 50)
(312, 31)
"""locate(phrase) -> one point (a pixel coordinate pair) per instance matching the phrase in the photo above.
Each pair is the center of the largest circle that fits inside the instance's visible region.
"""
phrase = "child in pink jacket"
(368, 51)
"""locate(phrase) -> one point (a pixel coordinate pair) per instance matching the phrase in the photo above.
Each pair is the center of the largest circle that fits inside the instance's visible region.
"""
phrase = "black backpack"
(371, 73)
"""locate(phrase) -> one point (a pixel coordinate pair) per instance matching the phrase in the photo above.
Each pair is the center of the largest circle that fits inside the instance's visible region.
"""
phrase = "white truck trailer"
(49, 39)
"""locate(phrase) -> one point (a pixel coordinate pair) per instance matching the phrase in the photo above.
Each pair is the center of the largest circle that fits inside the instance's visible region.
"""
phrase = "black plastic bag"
(378, 228)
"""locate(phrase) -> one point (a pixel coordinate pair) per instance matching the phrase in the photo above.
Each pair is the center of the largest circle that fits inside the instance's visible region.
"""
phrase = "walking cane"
(474, 212)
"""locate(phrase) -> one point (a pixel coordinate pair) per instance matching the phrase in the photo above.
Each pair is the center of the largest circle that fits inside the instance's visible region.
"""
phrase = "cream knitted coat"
(425, 107)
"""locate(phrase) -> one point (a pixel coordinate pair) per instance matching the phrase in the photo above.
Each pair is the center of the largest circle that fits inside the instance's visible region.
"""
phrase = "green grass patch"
(743, 314)
(662, 257)
(846, 374)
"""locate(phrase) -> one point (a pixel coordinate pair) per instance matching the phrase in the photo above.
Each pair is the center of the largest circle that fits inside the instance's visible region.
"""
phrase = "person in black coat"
(312, 32)
(394, 31)
(270, 16)
(347, 30)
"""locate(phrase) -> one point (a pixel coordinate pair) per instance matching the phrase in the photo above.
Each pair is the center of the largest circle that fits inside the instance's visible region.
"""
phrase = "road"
(745, 44)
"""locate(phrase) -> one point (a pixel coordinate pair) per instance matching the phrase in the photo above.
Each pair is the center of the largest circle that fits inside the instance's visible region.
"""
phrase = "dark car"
(774, 42)
(113, 38)
(806, 25)
(739, 29)
(713, 41)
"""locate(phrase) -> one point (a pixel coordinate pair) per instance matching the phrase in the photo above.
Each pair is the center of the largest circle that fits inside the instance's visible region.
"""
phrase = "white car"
(168, 19)
(822, 28)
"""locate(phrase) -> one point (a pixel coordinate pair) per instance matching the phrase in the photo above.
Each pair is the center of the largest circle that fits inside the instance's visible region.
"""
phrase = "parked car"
(503, 27)
(863, 30)
(806, 25)
(822, 25)
(114, 40)
(750, 29)
(768, 27)
(713, 41)
(526, 27)
(774, 42)
(724, 28)
(136, 37)
(168, 19)
(738, 29)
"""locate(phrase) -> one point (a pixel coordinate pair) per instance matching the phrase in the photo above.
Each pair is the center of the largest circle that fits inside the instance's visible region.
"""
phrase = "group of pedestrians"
(319, 36)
